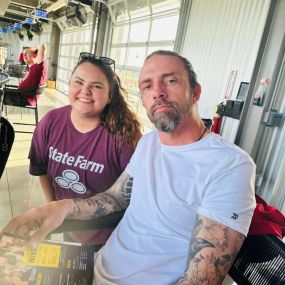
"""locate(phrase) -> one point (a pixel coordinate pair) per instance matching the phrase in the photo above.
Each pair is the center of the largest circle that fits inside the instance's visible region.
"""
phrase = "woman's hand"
(40, 221)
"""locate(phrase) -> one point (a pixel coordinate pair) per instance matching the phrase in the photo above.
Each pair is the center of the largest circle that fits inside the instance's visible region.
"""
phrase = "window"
(136, 56)
(73, 41)
(119, 55)
(120, 34)
(139, 32)
(3, 54)
(140, 29)
(159, 31)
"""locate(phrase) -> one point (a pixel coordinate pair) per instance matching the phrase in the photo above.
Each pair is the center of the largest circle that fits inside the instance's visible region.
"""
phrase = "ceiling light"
(30, 35)
(21, 36)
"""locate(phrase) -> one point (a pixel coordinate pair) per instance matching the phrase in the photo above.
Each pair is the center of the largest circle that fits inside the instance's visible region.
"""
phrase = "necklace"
(205, 129)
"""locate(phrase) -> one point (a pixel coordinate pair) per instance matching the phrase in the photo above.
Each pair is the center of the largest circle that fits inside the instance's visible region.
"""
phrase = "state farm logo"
(70, 180)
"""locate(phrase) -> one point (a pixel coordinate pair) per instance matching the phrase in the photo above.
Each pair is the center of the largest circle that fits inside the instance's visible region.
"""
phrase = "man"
(21, 56)
(35, 77)
(188, 193)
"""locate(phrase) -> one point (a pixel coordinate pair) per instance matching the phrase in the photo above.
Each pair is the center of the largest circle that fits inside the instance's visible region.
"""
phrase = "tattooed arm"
(212, 251)
(39, 221)
(116, 198)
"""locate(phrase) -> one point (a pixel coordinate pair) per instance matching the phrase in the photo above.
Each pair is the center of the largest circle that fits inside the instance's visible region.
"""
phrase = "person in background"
(81, 149)
(188, 193)
(21, 56)
(35, 77)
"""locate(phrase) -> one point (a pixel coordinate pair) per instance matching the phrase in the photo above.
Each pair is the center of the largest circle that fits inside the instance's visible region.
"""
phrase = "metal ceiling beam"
(114, 2)
(57, 5)
(3, 6)
(27, 3)
(10, 11)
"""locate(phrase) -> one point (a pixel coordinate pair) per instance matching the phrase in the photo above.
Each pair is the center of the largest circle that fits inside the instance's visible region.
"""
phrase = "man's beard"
(168, 120)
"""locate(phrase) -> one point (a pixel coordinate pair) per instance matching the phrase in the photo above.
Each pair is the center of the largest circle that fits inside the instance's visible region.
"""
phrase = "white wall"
(223, 36)
(253, 119)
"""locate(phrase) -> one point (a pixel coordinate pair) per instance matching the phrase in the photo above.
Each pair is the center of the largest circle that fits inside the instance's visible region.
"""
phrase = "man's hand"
(212, 251)
(40, 221)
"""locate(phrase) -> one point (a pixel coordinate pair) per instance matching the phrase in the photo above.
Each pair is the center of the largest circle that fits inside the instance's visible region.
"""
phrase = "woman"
(81, 149)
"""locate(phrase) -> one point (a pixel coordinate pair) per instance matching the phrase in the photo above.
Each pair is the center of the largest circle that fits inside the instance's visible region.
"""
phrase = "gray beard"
(166, 121)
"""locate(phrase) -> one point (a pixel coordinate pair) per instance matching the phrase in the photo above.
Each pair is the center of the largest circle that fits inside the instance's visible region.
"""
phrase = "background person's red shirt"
(36, 77)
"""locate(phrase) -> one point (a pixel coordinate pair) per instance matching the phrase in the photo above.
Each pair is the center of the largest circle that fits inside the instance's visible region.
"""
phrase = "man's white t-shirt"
(172, 184)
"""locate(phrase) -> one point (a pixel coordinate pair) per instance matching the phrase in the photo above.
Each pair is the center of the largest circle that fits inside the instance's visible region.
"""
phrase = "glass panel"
(139, 32)
(120, 34)
(120, 73)
(270, 156)
(140, 13)
(87, 35)
(160, 32)
(138, 8)
(64, 38)
(155, 48)
(119, 12)
(3, 52)
(77, 50)
(130, 80)
(119, 55)
(62, 50)
(270, 160)
(136, 56)
(162, 6)
(136, 4)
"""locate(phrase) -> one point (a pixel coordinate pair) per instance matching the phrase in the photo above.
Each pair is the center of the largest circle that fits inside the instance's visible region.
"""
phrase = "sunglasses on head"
(105, 60)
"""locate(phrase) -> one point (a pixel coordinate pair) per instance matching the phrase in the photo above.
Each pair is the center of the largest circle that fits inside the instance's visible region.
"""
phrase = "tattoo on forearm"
(114, 199)
(212, 250)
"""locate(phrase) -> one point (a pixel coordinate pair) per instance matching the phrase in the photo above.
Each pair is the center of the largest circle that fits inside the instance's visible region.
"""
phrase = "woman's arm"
(47, 188)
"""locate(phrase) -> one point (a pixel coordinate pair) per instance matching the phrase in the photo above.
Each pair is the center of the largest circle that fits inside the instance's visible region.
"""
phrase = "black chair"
(16, 70)
(12, 89)
(7, 136)
(261, 261)
(7, 133)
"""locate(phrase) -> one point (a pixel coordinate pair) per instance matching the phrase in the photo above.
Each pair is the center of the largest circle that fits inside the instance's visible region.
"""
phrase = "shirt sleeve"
(125, 157)
(130, 169)
(38, 151)
(229, 195)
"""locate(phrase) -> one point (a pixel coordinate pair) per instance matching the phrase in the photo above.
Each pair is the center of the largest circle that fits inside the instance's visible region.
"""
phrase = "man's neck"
(187, 132)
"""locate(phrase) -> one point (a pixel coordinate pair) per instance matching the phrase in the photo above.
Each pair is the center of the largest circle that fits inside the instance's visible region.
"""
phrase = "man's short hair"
(187, 65)
(32, 50)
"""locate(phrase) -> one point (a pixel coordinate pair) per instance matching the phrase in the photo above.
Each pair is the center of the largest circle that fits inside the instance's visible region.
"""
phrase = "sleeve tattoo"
(114, 199)
(212, 251)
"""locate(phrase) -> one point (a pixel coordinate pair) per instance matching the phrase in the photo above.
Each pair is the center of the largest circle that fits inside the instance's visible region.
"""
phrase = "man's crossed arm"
(116, 198)
(40, 221)
(212, 251)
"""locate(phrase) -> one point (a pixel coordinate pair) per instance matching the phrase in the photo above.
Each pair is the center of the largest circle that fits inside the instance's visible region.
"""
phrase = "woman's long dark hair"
(116, 116)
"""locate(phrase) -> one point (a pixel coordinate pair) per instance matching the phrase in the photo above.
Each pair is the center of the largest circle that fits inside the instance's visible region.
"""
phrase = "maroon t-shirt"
(36, 77)
(78, 164)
